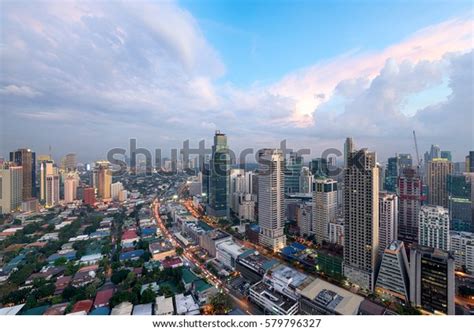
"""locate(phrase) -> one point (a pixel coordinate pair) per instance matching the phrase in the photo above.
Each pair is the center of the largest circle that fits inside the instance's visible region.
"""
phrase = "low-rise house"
(58, 309)
(187, 278)
(46, 274)
(185, 305)
(84, 276)
(129, 237)
(161, 249)
(123, 308)
(69, 256)
(132, 255)
(82, 306)
(102, 297)
(164, 306)
(173, 262)
(203, 291)
(145, 309)
(91, 259)
(61, 284)
(152, 286)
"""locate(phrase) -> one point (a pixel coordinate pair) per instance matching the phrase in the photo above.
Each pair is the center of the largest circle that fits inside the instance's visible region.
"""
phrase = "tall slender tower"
(219, 177)
(437, 176)
(324, 207)
(27, 159)
(11, 187)
(410, 196)
(388, 220)
(271, 204)
(103, 180)
(361, 213)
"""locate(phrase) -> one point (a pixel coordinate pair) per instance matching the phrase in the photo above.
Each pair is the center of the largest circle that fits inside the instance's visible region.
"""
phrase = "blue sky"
(261, 41)
(85, 76)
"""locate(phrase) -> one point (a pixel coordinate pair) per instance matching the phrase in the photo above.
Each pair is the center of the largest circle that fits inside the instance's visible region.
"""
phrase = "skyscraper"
(435, 152)
(219, 182)
(70, 187)
(52, 190)
(410, 188)
(27, 159)
(271, 204)
(348, 148)
(391, 174)
(404, 161)
(103, 180)
(388, 219)
(459, 201)
(319, 167)
(306, 181)
(46, 168)
(446, 155)
(434, 227)
(11, 187)
(432, 279)
(294, 164)
(437, 175)
(393, 279)
(70, 162)
(470, 162)
(361, 213)
(324, 207)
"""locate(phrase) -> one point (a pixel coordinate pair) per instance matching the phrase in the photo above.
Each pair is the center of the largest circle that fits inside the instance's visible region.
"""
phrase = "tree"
(60, 261)
(166, 290)
(221, 303)
(148, 296)
(179, 251)
(119, 276)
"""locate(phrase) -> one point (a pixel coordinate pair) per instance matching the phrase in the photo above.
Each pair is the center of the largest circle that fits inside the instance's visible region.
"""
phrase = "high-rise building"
(219, 182)
(446, 155)
(434, 227)
(392, 279)
(410, 189)
(348, 148)
(115, 189)
(71, 183)
(361, 214)
(46, 168)
(89, 196)
(271, 199)
(432, 279)
(462, 247)
(388, 220)
(319, 167)
(237, 181)
(306, 181)
(435, 152)
(459, 201)
(391, 174)
(324, 207)
(470, 162)
(103, 180)
(294, 164)
(404, 161)
(304, 219)
(437, 175)
(52, 190)
(27, 159)
(249, 178)
(11, 187)
(70, 162)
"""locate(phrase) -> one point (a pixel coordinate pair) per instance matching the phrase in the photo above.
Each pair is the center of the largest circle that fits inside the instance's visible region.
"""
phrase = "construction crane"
(418, 160)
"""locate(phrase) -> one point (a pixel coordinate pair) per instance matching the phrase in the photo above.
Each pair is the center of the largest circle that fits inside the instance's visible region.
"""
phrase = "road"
(243, 304)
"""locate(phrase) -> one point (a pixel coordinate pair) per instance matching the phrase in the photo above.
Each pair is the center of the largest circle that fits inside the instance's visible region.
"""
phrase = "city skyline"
(138, 78)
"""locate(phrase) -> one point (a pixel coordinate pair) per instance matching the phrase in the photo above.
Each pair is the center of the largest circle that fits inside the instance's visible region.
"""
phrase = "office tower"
(27, 159)
(446, 155)
(410, 188)
(249, 178)
(271, 196)
(470, 162)
(52, 190)
(388, 219)
(306, 181)
(205, 183)
(437, 175)
(89, 196)
(71, 183)
(404, 161)
(336, 232)
(361, 213)
(392, 279)
(11, 187)
(319, 167)
(237, 181)
(219, 182)
(304, 219)
(459, 201)
(103, 179)
(432, 279)
(348, 148)
(462, 247)
(391, 174)
(294, 164)
(115, 189)
(434, 227)
(435, 152)
(46, 168)
(70, 162)
(324, 207)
